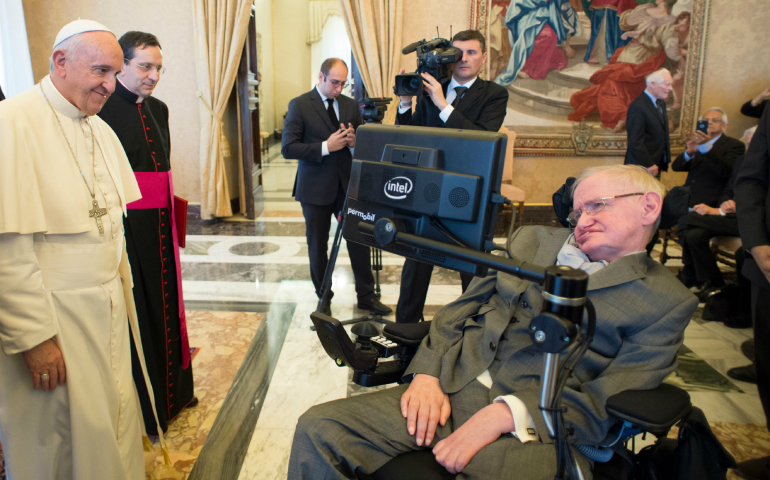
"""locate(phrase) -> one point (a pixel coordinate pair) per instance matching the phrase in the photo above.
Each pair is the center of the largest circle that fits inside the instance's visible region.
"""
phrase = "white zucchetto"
(76, 27)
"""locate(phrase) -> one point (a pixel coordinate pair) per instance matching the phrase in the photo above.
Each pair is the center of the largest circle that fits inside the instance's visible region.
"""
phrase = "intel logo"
(398, 188)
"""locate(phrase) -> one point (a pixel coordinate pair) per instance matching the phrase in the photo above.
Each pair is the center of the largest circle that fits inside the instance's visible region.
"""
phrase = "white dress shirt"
(450, 97)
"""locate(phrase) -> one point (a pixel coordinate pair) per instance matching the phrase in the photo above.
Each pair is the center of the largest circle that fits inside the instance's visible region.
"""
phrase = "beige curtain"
(374, 29)
(320, 11)
(219, 29)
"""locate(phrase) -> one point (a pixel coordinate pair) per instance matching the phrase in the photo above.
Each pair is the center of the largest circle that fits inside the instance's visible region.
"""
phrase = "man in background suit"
(2, 97)
(708, 159)
(320, 131)
(752, 198)
(647, 125)
(467, 102)
(476, 375)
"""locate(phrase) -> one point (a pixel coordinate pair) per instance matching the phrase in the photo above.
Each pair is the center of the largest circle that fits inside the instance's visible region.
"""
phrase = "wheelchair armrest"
(407, 334)
(654, 411)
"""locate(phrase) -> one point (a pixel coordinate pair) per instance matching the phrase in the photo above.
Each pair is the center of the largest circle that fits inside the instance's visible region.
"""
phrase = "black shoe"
(193, 403)
(747, 348)
(755, 469)
(375, 306)
(746, 374)
(706, 292)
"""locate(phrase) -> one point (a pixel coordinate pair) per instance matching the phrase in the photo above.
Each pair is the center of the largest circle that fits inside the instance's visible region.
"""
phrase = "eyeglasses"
(335, 83)
(146, 67)
(713, 120)
(593, 207)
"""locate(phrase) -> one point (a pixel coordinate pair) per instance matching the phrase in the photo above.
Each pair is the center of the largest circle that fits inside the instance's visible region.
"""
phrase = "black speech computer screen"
(442, 184)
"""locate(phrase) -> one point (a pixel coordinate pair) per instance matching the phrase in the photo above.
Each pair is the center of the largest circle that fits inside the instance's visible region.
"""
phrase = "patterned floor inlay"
(223, 339)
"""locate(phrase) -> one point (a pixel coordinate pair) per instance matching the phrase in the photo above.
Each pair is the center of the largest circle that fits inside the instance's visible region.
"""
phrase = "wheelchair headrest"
(562, 201)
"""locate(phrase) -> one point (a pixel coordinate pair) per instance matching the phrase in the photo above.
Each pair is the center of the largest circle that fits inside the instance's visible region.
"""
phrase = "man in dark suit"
(752, 198)
(320, 131)
(2, 97)
(647, 125)
(696, 229)
(476, 375)
(466, 102)
(708, 159)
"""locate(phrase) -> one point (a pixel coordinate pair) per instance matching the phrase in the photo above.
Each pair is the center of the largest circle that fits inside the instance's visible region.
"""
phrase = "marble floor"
(259, 366)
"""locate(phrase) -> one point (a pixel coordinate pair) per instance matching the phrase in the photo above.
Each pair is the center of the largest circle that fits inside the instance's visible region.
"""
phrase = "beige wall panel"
(291, 53)
(422, 17)
(736, 67)
(264, 21)
(171, 22)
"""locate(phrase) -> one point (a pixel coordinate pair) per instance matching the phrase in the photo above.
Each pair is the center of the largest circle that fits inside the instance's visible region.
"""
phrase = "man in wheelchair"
(475, 380)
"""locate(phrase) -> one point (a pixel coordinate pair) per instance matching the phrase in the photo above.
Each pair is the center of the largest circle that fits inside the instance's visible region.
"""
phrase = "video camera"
(373, 109)
(433, 57)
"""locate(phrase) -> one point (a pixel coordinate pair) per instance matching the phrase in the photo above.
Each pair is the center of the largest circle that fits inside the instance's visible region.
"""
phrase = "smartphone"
(703, 126)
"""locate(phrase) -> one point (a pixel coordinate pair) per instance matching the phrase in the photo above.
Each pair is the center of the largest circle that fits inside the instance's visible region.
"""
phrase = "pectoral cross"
(97, 213)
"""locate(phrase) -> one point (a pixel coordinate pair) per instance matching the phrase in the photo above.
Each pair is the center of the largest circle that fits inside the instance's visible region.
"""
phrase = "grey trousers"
(333, 439)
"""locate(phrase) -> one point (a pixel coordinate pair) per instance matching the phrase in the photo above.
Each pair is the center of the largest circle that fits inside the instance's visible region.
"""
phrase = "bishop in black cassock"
(141, 124)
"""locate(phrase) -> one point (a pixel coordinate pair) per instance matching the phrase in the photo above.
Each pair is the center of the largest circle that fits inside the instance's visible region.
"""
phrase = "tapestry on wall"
(572, 67)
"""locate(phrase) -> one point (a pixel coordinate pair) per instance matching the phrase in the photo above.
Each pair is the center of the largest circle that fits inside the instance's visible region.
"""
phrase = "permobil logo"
(364, 216)
(398, 188)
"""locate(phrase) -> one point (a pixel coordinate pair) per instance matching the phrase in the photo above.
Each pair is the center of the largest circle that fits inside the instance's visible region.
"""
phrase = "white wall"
(335, 43)
(291, 53)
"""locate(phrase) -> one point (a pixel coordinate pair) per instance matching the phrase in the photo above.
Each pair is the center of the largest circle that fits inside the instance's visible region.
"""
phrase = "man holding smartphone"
(708, 159)
(320, 131)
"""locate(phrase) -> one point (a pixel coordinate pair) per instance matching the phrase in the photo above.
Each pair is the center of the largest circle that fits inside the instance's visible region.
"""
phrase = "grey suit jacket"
(642, 310)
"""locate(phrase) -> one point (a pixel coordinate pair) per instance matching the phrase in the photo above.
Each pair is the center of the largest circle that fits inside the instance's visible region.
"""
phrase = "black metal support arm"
(387, 231)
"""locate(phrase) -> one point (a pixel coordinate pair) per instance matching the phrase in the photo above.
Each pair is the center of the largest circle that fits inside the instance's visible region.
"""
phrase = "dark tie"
(332, 113)
(459, 91)
(660, 104)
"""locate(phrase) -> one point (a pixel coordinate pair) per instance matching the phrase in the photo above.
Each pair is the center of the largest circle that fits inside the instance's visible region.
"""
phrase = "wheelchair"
(653, 411)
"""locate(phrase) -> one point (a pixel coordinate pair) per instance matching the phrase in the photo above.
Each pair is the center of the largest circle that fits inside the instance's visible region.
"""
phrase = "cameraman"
(467, 102)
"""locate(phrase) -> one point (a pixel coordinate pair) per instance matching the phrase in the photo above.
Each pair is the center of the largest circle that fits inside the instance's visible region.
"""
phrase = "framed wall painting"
(572, 67)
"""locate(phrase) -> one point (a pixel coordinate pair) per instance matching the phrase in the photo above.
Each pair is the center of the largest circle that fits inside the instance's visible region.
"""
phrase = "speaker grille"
(354, 179)
(459, 197)
(431, 193)
(367, 182)
(369, 239)
(433, 257)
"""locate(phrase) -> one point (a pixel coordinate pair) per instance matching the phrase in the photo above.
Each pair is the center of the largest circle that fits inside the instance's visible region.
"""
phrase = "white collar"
(454, 83)
(58, 102)
(323, 97)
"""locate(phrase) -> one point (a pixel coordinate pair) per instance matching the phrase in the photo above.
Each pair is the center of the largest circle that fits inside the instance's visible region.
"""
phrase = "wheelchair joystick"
(364, 333)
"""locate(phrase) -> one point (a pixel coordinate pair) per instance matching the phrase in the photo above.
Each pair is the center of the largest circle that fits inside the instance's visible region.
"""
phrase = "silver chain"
(74, 157)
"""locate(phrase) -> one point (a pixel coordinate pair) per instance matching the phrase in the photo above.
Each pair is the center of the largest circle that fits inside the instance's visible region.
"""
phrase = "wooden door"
(248, 99)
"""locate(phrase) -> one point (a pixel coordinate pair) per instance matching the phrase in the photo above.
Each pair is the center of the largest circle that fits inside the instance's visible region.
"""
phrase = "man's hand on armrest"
(424, 405)
(483, 428)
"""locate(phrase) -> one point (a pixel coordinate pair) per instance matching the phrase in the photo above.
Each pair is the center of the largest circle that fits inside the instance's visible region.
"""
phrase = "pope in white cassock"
(68, 405)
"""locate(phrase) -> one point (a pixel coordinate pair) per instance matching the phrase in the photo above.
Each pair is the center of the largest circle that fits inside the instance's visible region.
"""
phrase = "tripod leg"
(326, 286)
